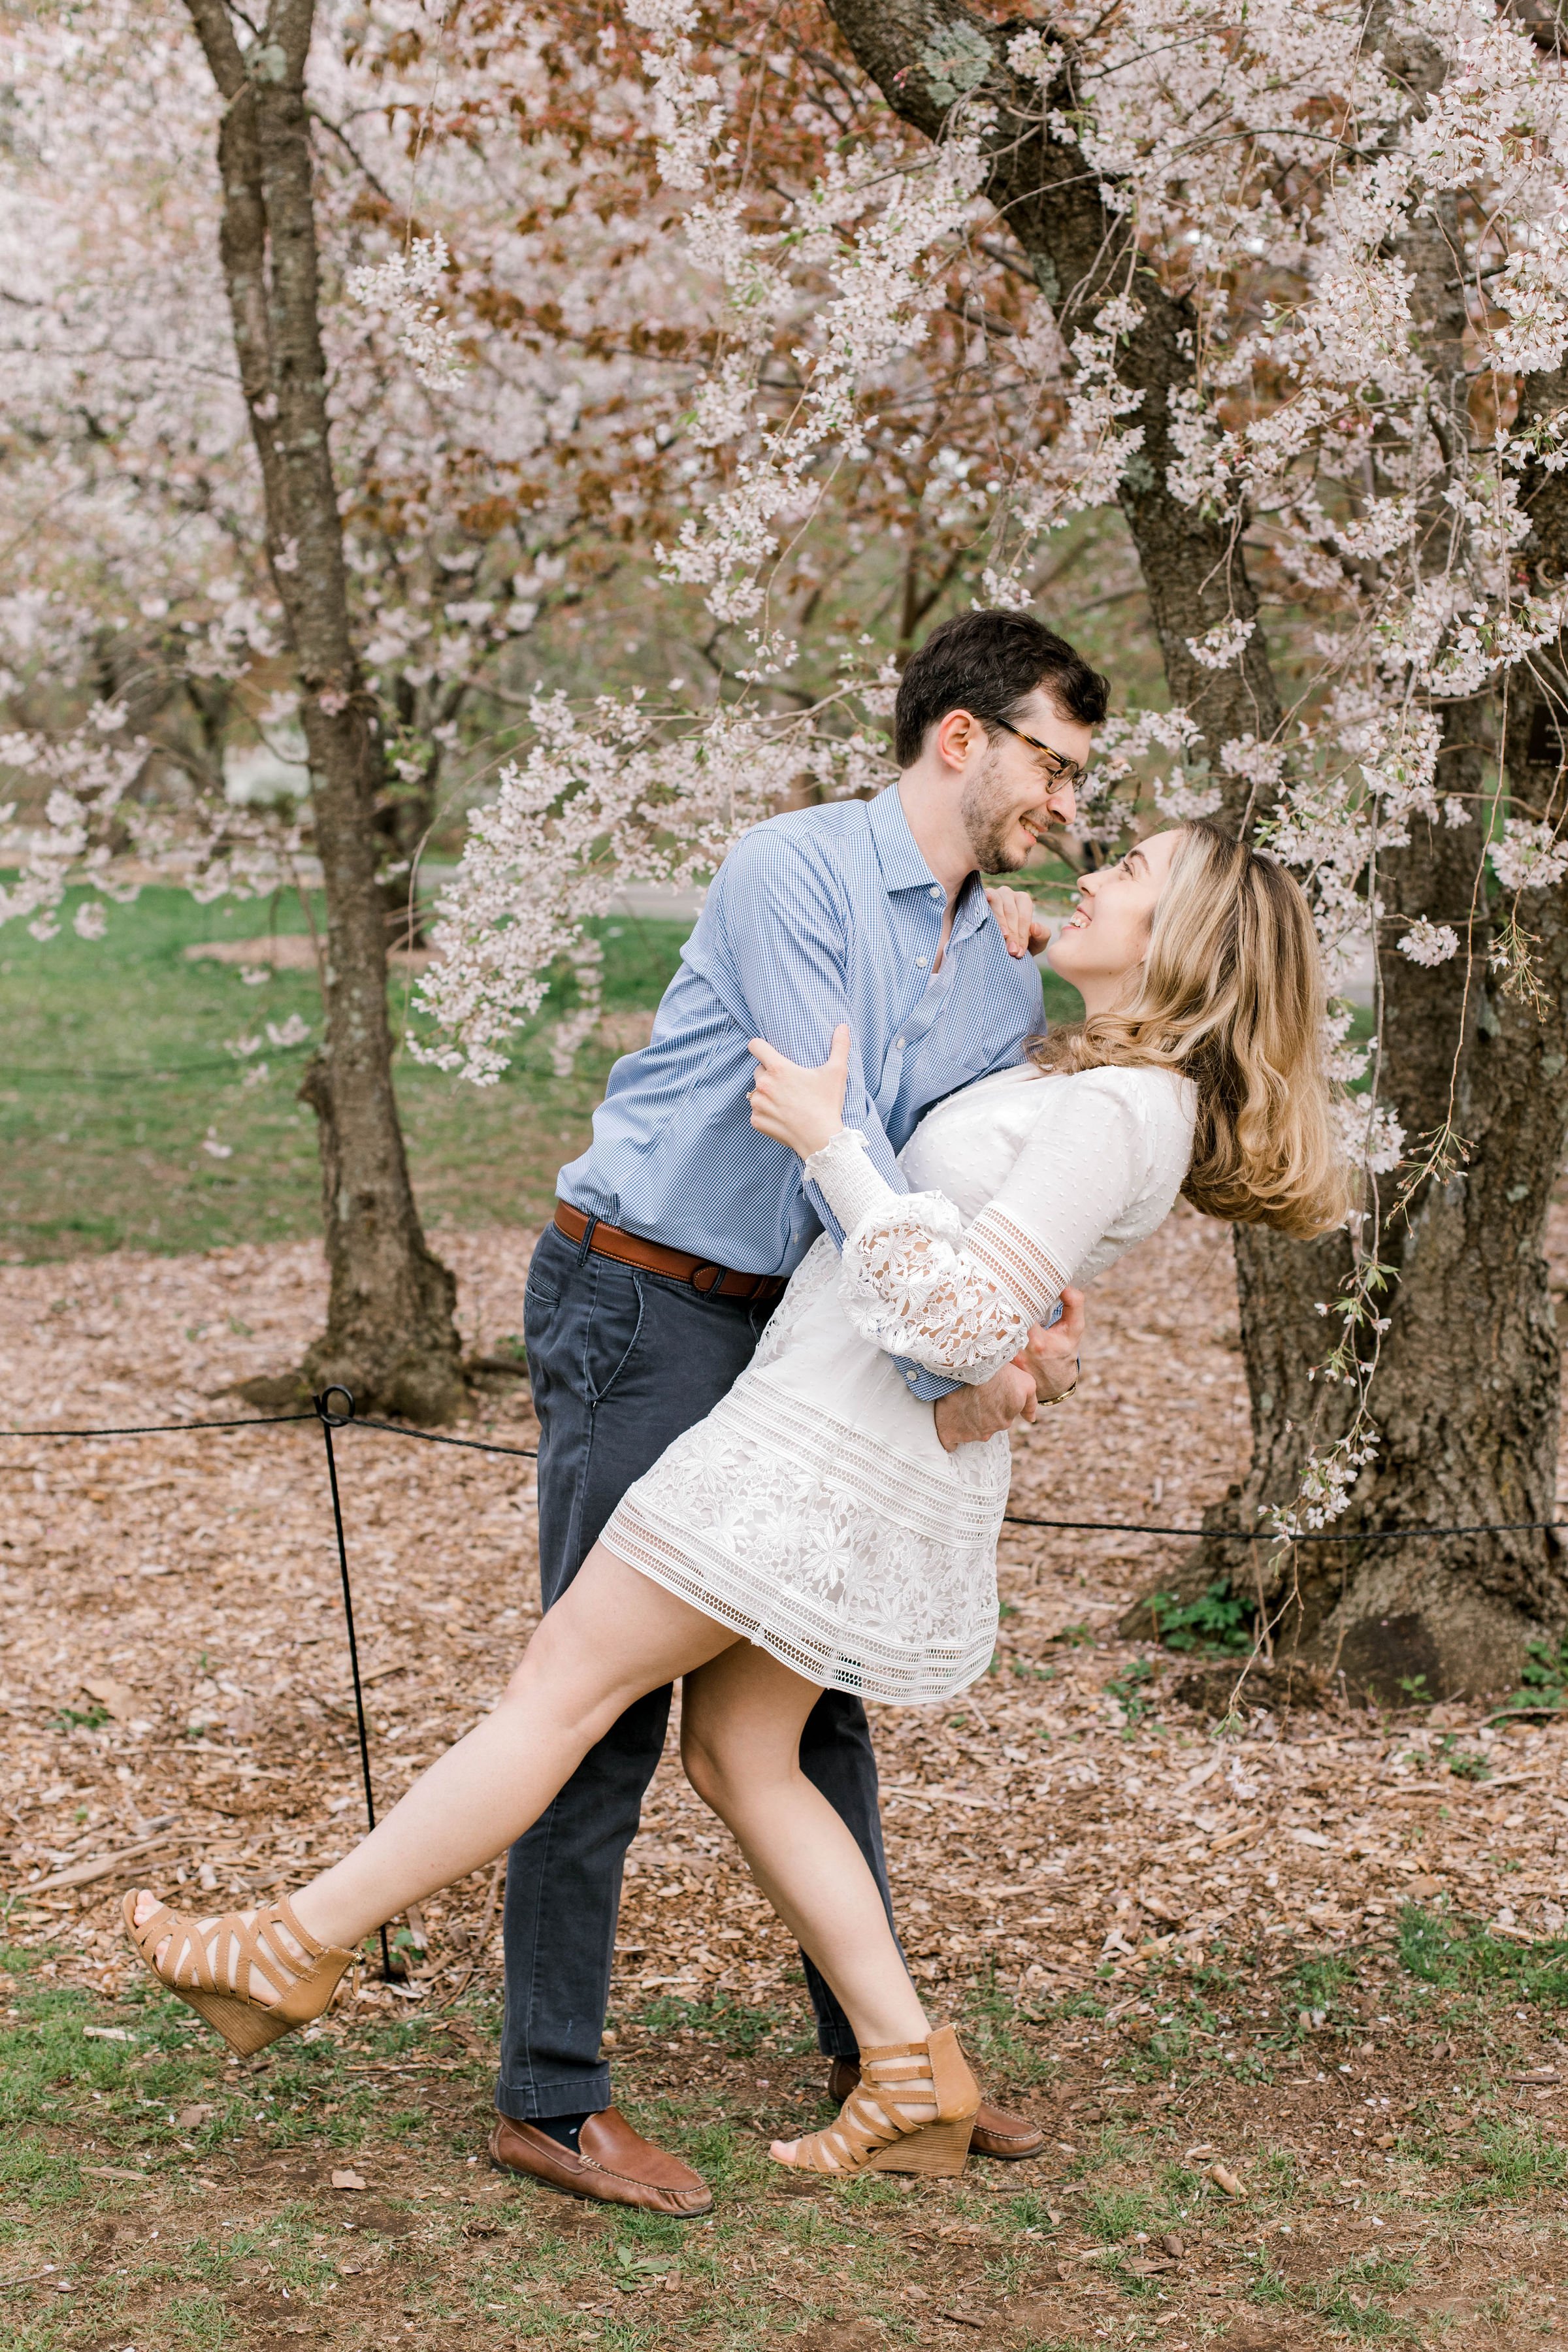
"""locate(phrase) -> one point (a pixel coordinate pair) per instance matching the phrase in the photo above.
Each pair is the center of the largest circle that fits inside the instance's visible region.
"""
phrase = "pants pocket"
(610, 1342)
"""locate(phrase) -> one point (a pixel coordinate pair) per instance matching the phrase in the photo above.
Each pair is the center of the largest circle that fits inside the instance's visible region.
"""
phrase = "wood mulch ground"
(1070, 1842)
(184, 1588)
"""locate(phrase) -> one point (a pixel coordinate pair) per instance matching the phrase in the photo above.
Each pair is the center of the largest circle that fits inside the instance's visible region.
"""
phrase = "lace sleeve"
(915, 1284)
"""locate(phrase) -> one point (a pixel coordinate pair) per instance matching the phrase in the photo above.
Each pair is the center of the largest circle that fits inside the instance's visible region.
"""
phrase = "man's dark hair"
(989, 663)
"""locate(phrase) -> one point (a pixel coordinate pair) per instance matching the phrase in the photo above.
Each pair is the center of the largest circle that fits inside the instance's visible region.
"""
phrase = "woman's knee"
(740, 1731)
(702, 1759)
(731, 1768)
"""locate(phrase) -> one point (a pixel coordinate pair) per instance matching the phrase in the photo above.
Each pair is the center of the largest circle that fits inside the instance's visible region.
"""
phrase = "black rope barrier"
(1265, 1534)
(332, 1417)
(354, 1420)
(169, 1428)
(429, 1437)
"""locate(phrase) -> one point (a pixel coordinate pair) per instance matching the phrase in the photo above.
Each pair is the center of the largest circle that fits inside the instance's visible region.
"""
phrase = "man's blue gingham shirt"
(824, 915)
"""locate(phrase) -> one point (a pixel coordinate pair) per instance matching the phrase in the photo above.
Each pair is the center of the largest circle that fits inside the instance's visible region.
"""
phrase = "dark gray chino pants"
(622, 1362)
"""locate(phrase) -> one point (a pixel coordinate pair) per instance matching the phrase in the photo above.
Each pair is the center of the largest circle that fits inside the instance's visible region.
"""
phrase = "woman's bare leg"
(612, 1635)
(741, 1718)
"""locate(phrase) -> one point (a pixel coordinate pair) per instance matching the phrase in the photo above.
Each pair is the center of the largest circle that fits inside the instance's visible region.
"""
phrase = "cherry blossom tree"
(1297, 303)
(819, 324)
(1337, 240)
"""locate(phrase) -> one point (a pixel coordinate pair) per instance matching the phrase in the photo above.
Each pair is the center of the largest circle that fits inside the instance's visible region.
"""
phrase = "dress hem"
(711, 1581)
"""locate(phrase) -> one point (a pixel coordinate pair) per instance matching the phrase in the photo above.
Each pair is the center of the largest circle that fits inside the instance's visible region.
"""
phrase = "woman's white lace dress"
(814, 1509)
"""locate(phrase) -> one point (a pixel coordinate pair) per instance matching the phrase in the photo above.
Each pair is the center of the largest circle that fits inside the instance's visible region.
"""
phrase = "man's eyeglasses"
(1060, 770)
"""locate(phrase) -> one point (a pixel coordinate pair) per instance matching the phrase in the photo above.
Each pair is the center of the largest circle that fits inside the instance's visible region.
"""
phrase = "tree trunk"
(1464, 1394)
(1466, 1391)
(390, 1337)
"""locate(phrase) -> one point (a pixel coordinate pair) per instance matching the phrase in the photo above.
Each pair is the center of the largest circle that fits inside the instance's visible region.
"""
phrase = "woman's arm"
(915, 1281)
(908, 1284)
(918, 1284)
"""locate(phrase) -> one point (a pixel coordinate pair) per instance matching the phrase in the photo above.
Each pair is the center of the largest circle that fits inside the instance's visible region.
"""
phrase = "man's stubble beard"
(986, 819)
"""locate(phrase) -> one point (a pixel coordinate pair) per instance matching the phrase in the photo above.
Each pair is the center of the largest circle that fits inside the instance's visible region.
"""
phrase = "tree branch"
(1082, 253)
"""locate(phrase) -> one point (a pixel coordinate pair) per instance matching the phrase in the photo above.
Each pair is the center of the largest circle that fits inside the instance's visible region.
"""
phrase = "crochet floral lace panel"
(917, 1285)
(840, 1558)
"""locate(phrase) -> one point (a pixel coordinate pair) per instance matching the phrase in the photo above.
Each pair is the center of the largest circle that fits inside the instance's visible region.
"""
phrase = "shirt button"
(935, 891)
(909, 1376)
(899, 1041)
(921, 961)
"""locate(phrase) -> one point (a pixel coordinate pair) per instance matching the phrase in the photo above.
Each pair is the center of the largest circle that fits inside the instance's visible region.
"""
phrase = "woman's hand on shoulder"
(803, 1108)
(1025, 930)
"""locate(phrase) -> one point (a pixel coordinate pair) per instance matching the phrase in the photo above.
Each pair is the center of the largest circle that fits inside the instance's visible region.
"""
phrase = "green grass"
(1465, 1955)
(736, 2029)
(1517, 2156)
(1350, 2299)
(115, 1075)
(1115, 2216)
(165, 2183)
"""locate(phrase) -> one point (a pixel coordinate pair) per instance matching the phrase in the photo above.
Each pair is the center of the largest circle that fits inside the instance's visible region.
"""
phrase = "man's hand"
(970, 1415)
(1044, 1369)
(1022, 928)
(1051, 1353)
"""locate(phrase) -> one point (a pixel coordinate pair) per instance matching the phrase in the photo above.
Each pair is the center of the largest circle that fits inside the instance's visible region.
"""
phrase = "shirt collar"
(973, 909)
(903, 868)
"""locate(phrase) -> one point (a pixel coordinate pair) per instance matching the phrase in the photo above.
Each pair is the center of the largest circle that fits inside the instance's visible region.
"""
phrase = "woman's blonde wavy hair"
(1231, 993)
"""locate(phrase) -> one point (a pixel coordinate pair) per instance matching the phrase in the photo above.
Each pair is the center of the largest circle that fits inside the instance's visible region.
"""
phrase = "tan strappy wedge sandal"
(213, 1972)
(913, 2111)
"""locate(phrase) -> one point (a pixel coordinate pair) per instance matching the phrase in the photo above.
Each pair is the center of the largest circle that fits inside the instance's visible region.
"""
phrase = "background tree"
(1450, 1288)
(154, 645)
(391, 1338)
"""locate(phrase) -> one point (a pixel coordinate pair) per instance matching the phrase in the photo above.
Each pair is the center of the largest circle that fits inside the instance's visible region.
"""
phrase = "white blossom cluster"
(600, 800)
(1318, 406)
(131, 490)
(868, 235)
(1427, 942)
(1527, 856)
(403, 288)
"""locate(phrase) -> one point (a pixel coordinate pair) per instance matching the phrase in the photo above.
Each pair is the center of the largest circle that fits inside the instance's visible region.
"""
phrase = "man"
(675, 1232)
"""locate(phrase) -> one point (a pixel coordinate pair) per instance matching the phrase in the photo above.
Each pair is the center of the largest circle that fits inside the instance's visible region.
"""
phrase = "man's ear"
(954, 738)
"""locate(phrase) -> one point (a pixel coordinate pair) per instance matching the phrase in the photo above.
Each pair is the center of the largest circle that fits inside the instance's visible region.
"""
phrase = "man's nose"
(1063, 803)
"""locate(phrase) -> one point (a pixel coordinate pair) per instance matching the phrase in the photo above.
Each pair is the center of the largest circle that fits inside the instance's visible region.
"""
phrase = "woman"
(812, 1532)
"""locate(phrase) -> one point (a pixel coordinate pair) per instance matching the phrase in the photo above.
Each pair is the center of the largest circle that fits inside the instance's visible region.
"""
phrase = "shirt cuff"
(843, 1173)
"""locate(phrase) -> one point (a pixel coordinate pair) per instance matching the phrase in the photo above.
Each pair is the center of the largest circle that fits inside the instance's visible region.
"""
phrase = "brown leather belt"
(652, 1257)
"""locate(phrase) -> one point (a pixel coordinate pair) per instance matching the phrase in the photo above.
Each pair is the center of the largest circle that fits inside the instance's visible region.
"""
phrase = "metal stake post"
(330, 1420)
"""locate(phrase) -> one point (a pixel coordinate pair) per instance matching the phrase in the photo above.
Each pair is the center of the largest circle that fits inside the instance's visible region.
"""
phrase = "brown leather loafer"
(995, 2132)
(613, 2164)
